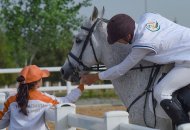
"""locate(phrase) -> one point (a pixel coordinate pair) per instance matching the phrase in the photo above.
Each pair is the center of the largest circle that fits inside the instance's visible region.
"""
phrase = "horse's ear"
(102, 12)
(94, 14)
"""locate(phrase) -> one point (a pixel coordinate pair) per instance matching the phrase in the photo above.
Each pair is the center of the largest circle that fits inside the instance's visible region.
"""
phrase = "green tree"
(6, 60)
(40, 31)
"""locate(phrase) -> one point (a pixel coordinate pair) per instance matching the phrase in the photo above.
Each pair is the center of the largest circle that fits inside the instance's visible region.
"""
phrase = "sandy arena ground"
(94, 110)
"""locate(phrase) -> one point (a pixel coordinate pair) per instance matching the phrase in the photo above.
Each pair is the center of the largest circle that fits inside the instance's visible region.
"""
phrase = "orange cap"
(33, 73)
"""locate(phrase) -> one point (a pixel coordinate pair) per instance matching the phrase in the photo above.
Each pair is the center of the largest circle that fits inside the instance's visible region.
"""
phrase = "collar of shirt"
(136, 27)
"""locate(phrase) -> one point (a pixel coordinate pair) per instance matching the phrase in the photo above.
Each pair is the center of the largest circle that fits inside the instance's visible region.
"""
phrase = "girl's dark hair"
(23, 94)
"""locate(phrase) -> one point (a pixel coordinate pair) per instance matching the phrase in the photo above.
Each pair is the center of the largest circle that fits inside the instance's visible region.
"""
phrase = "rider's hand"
(89, 78)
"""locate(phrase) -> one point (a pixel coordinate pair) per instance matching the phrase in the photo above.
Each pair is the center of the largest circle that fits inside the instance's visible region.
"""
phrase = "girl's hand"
(81, 87)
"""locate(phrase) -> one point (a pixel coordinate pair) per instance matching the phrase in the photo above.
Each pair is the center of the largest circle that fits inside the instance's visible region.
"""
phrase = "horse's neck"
(114, 54)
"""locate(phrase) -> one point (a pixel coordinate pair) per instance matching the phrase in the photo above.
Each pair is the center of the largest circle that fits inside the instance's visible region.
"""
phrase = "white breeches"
(177, 78)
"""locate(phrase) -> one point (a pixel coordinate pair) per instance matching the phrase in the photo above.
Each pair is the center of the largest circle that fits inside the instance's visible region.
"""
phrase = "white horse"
(85, 54)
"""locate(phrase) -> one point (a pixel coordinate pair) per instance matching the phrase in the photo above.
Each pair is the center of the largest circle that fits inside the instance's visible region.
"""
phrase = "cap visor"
(45, 73)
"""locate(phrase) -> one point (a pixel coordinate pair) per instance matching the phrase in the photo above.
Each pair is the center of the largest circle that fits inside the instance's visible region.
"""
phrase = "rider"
(156, 39)
(25, 110)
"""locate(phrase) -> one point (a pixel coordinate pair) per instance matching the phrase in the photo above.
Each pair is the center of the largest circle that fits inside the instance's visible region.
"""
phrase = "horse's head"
(86, 50)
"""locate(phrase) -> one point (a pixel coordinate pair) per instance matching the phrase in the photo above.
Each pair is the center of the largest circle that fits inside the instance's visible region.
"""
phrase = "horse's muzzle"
(70, 75)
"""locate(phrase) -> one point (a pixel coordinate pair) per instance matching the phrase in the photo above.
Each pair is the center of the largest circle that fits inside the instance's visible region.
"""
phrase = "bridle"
(87, 40)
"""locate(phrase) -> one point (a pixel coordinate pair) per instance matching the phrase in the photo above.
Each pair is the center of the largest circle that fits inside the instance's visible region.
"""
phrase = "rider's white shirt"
(158, 40)
(169, 41)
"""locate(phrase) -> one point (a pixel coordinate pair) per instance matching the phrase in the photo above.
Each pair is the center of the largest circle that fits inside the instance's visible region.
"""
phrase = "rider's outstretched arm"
(136, 55)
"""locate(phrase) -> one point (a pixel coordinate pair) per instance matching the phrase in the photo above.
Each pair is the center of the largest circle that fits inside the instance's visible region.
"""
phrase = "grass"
(103, 93)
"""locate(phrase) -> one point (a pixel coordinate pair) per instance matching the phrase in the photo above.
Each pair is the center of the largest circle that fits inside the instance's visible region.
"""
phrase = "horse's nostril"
(62, 70)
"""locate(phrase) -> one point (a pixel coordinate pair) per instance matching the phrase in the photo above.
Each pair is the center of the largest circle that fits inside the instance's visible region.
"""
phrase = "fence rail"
(17, 70)
(113, 120)
(68, 86)
(89, 123)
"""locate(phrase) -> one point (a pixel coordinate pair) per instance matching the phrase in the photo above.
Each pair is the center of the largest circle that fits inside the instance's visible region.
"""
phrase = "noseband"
(87, 40)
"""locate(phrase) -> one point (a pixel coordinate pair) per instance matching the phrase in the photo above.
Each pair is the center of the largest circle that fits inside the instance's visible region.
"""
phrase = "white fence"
(17, 70)
(69, 120)
(113, 120)
(65, 118)
(68, 86)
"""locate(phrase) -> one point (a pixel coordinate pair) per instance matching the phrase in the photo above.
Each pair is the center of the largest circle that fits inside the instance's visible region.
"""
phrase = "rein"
(149, 89)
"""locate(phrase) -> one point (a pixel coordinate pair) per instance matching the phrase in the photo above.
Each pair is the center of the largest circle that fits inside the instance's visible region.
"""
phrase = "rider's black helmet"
(119, 26)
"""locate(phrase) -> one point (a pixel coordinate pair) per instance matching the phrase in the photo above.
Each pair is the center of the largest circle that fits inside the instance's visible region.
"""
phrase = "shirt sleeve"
(136, 55)
(72, 97)
(4, 122)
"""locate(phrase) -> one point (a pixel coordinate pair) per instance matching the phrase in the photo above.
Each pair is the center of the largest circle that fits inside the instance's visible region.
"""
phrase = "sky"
(177, 10)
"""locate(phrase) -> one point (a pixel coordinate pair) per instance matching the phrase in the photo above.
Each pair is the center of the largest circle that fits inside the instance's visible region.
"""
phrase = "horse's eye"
(78, 40)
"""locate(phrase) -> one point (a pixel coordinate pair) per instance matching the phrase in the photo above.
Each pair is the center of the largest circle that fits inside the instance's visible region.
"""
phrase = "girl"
(25, 110)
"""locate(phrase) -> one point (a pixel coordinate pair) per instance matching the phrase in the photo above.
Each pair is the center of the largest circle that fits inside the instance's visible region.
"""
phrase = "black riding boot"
(175, 111)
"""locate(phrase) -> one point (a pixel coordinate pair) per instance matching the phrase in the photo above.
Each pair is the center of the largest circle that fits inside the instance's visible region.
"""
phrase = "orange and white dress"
(12, 118)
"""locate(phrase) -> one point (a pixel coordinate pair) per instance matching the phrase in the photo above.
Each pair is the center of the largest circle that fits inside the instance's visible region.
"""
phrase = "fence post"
(46, 83)
(2, 100)
(68, 87)
(62, 111)
(114, 118)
